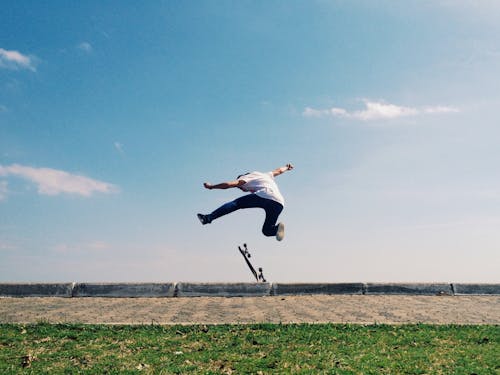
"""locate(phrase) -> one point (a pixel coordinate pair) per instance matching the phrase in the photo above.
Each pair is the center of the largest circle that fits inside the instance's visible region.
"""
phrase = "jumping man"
(264, 193)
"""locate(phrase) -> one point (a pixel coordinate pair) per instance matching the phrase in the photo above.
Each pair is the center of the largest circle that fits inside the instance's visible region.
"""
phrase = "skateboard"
(246, 255)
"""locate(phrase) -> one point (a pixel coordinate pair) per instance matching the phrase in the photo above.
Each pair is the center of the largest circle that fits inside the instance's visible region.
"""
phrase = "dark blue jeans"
(272, 208)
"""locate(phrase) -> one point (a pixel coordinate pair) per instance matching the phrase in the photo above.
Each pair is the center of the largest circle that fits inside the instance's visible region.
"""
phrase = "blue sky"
(113, 114)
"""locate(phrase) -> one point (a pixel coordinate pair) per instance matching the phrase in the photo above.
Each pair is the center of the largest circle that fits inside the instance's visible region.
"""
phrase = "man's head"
(238, 178)
(241, 175)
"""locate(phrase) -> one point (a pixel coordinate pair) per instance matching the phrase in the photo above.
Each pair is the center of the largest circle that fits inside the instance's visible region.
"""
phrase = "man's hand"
(281, 170)
(208, 186)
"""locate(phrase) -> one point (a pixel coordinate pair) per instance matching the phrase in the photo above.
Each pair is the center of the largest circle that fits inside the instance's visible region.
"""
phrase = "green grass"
(239, 349)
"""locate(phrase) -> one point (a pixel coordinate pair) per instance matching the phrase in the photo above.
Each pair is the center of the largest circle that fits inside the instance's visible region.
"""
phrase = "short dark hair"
(241, 175)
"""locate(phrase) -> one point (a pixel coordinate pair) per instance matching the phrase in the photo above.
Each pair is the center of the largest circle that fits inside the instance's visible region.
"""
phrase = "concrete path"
(363, 309)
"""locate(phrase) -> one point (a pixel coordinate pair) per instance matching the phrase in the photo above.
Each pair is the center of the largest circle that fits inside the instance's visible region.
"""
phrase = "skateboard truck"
(261, 275)
(246, 255)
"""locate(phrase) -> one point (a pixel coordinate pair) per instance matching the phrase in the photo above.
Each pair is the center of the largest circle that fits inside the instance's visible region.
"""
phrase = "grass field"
(240, 349)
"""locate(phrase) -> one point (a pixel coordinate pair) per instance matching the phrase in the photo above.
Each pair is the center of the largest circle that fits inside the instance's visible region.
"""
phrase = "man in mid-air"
(264, 193)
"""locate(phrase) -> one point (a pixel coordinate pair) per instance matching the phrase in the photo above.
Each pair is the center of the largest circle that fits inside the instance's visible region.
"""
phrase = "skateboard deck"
(246, 255)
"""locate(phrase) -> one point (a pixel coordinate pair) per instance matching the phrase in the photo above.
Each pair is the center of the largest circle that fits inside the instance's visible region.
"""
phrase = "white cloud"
(440, 109)
(16, 60)
(311, 112)
(376, 111)
(54, 182)
(85, 47)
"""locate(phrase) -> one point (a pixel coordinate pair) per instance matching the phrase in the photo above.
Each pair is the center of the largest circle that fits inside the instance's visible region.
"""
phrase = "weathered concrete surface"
(223, 289)
(36, 289)
(186, 289)
(479, 289)
(409, 288)
(124, 290)
(362, 309)
(282, 289)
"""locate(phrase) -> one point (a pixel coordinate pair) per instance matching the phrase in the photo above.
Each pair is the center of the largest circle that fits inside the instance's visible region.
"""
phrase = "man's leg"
(246, 201)
(225, 209)
(273, 210)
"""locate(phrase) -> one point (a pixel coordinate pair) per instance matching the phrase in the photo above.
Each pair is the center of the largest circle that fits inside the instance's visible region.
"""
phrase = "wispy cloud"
(119, 147)
(81, 247)
(53, 182)
(376, 110)
(6, 246)
(85, 47)
(439, 109)
(15, 60)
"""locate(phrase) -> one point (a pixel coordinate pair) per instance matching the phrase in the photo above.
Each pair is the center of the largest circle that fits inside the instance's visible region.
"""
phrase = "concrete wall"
(123, 290)
(36, 289)
(186, 289)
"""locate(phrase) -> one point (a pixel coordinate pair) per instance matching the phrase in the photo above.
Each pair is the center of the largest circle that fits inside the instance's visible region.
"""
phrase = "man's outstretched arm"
(281, 170)
(224, 185)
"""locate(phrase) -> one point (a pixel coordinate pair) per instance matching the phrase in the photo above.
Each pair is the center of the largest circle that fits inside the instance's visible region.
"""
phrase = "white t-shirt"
(263, 185)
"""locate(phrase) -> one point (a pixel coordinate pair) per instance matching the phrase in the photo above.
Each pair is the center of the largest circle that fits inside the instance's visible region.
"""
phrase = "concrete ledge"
(223, 289)
(36, 289)
(279, 289)
(186, 289)
(488, 289)
(124, 290)
(409, 288)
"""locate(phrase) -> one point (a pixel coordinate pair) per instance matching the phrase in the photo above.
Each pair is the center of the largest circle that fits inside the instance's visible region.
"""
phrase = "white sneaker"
(281, 232)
